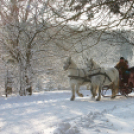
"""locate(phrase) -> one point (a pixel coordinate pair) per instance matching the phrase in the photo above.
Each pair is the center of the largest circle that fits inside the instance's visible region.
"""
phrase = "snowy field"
(54, 113)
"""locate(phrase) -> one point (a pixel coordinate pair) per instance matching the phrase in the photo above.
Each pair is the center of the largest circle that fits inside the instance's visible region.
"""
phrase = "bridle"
(93, 68)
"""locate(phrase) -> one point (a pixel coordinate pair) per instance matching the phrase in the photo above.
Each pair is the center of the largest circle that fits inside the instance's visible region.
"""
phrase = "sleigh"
(126, 83)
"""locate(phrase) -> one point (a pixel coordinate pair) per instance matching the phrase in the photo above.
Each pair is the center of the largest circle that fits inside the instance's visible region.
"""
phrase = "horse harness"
(99, 73)
(87, 78)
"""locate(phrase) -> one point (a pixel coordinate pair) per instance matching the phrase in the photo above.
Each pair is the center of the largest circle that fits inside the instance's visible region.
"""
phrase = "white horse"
(77, 77)
(110, 78)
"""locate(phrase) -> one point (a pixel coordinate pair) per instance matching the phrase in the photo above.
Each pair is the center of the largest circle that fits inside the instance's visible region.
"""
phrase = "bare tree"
(21, 21)
(96, 16)
(24, 24)
(100, 14)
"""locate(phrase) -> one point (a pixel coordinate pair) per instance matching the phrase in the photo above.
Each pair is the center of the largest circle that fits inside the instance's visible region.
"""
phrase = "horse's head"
(67, 63)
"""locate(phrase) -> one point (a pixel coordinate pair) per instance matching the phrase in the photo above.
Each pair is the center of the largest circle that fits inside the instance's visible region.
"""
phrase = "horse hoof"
(113, 97)
(98, 99)
(81, 95)
(72, 99)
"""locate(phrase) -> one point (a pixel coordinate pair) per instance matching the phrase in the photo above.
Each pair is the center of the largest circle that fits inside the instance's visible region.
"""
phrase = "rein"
(100, 73)
(91, 76)
(86, 79)
(83, 69)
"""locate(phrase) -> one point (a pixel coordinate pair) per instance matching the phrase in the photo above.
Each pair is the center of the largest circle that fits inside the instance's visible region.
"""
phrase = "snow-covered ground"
(54, 113)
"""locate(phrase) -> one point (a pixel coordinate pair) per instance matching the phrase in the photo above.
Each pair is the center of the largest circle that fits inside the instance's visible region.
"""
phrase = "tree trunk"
(25, 74)
(22, 79)
(8, 83)
(28, 75)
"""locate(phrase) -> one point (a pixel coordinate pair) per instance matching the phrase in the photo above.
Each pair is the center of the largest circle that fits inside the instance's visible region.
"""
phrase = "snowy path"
(54, 113)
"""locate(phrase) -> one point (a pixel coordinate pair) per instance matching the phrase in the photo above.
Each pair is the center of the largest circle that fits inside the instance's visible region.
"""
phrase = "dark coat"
(121, 66)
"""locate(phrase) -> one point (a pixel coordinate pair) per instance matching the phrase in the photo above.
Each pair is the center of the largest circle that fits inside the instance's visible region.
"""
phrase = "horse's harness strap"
(78, 72)
(86, 79)
(84, 70)
(104, 80)
(100, 73)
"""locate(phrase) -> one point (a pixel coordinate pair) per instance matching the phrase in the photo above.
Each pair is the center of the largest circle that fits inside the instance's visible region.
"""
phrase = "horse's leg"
(93, 91)
(113, 93)
(114, 90)
(117, 87)
(99, 97)
(77, 90)
(73, 92)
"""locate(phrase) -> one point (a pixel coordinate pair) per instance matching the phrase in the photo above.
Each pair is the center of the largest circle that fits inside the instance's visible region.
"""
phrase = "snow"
(52, 112)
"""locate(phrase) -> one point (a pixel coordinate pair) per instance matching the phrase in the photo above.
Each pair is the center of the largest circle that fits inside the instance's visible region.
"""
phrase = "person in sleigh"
(122, 67)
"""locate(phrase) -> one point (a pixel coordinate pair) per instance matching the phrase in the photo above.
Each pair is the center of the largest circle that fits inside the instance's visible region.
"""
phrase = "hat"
(122, 58)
